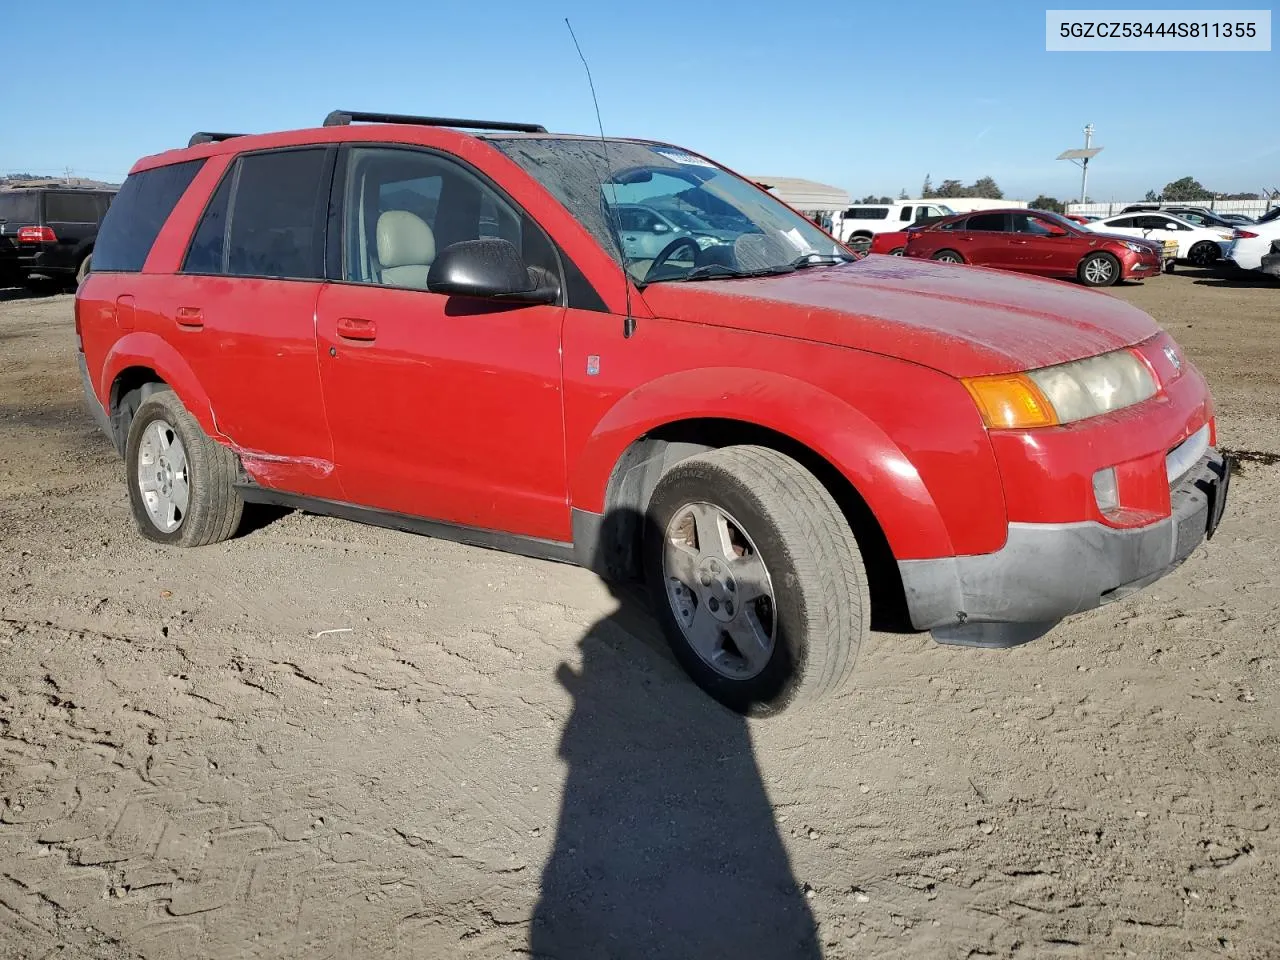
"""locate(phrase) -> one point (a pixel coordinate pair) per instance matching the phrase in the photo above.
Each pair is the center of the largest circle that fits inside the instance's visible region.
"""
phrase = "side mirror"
(488, 269)
(1056, 231)
(660, 227)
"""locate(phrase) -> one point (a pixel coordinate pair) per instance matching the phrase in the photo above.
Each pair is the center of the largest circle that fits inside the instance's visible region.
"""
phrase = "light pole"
(1082, 157)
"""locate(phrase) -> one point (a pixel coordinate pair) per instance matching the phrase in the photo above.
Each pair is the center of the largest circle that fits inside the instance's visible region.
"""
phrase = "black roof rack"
(342, 118)
(206, 137)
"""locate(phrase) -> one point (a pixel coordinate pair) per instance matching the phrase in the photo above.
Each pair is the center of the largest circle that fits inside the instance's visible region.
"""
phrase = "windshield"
(18, 207)
(665, 214)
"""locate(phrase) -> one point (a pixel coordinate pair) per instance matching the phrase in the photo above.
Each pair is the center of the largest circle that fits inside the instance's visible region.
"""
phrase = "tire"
(1204, 253)
(1098, 270)
(860, 242)
(82, 271)
(897, 251)
(948, 256)
(786, 535)
(212, 507)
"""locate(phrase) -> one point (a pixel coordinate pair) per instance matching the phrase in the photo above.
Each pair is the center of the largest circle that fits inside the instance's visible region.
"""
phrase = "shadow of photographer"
(667, 845)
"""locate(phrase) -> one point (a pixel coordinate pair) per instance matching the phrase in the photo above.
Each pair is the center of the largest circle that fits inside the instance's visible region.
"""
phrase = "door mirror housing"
(488, 269)
(1057, 231)
(660, 227)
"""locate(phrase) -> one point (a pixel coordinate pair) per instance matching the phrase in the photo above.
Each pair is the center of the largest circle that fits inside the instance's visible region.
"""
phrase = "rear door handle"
(190, 317)
(354, 328)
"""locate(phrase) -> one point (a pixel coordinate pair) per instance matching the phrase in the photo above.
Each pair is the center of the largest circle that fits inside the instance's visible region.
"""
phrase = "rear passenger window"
(906, 213)
(266, 219)
(138, 213)
(276, 229)
(989, 221)
(70, 208)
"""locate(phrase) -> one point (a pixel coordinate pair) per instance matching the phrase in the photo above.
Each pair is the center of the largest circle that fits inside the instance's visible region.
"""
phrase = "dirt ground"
(327, 740)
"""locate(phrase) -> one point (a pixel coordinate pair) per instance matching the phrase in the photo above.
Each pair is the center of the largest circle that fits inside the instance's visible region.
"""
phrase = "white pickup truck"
(863, 221)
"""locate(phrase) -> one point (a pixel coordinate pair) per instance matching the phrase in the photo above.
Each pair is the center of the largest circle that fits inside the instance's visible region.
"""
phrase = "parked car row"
(1134, 245)
(1036, 242)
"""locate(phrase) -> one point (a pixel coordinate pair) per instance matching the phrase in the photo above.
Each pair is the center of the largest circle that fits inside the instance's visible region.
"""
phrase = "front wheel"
(756, 578)
(1099, 270)
(947, 256)
(181, 482)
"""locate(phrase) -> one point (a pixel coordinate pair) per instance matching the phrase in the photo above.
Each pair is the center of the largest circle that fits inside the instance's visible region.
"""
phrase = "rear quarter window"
(137, 215)
(70, 208)
(867, 213)
(19, 207)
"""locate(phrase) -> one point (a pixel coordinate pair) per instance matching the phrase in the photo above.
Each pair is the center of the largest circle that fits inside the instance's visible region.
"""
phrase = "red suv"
(405, 324)
(1036, 242)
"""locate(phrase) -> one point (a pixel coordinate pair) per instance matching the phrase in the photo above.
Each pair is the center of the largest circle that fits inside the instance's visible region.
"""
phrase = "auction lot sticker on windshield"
(1158, 30)
(688, 159)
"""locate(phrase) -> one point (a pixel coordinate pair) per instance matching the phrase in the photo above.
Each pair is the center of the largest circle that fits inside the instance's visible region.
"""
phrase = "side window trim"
(576, 290)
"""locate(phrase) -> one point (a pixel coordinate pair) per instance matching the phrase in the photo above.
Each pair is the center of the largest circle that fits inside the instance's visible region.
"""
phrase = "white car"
(863, 221)
(1252, 243)
(1200, 245)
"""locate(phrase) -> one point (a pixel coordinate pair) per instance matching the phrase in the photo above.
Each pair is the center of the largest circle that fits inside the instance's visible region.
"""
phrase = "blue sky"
(870, 97)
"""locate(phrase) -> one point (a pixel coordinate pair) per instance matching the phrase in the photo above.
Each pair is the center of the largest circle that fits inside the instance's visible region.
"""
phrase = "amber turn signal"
(1010, 401)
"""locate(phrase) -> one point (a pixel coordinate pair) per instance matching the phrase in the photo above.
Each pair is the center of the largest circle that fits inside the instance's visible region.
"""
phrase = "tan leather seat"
(406, 249)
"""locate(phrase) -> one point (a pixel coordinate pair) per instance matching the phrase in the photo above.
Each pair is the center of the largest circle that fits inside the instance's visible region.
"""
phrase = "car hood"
(965, 321)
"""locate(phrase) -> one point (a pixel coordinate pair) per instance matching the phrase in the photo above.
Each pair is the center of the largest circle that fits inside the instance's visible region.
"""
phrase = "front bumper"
(1048, 571)
(1141, 267)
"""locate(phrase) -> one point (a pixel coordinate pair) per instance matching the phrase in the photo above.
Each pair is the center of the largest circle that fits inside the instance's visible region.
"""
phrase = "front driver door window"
(441, 407)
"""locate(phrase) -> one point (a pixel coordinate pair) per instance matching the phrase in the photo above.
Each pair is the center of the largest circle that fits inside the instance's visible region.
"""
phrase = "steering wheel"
(668, 252)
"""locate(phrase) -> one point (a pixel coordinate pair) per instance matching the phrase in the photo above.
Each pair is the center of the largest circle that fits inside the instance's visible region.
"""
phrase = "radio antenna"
(629, 324)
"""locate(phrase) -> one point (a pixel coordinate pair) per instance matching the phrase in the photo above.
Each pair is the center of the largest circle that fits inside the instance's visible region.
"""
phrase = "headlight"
(704, 242)
(1136, 247)
(1064, 393)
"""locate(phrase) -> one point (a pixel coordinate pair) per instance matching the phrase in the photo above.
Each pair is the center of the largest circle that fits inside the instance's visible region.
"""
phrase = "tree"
(984, 187)
(1048, 203)
(1152, 196)
(1187, 188)
(904, 195)
(1240, 196)
(872, 198)
(987, 189)
(926, 191)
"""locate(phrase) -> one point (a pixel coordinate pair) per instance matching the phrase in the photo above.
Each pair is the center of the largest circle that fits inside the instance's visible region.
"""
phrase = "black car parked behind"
(49, 231)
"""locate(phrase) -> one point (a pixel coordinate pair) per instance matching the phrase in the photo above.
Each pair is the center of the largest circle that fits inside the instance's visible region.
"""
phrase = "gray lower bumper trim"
(1046, 572)
(91, 403)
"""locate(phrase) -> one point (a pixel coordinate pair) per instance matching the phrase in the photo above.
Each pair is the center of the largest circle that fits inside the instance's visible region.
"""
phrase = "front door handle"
(191, 318)
(1019, 242)
(354, 328)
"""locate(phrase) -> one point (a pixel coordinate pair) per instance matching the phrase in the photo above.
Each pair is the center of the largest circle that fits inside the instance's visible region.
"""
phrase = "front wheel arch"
(643, 463)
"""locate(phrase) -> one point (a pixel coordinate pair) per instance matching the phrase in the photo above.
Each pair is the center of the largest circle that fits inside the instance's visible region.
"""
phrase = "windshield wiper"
(718, 271)
(819, 260)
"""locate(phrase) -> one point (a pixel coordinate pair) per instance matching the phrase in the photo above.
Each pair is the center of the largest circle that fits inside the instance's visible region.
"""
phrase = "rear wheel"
(756, 578)
(860, 243)
(1099, 270)
(947, 256)
(897, 251)
(1204, 253)
(181, 482)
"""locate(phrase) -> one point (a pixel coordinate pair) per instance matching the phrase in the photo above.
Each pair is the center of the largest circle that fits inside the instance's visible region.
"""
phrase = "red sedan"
(1035, 242)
